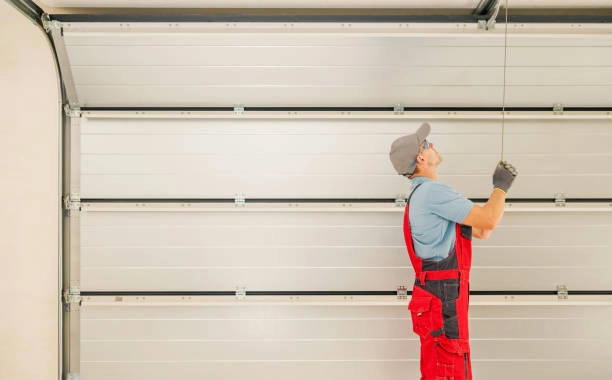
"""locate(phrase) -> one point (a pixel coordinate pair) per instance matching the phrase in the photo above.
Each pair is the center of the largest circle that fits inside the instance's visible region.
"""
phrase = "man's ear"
(419, 161)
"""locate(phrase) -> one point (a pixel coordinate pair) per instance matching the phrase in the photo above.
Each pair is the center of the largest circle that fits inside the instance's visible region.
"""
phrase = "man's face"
(430, 154)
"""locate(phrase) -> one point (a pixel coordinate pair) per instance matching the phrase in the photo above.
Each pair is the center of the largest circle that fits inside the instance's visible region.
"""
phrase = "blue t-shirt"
(434, 210)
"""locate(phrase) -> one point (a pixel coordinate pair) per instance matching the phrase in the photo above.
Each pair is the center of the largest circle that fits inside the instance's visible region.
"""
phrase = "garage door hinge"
(238, 109)
(240, 293)
(562, 292)
(398, 109)
(49, 25)
(402, 293)
(72, 202)
(239, 200)
(72, 298)
(72, 110)
(72, 376)
(557, 109)
(400, 200)
(560, 200)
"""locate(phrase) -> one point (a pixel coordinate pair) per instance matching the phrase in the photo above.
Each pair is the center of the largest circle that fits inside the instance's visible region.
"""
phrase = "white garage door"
(236, 241)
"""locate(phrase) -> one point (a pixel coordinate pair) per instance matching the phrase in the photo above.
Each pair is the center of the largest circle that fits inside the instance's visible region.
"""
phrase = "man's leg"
(451, 361)
(428, 358)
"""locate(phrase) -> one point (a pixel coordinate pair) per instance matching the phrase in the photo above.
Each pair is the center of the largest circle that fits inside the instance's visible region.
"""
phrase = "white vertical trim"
(72, 244)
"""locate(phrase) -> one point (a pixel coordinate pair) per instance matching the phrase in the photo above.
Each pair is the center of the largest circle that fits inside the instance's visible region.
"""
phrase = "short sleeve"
(447, 203)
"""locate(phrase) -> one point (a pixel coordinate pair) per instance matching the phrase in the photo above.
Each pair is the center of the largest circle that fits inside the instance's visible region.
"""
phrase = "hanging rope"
(504, 91)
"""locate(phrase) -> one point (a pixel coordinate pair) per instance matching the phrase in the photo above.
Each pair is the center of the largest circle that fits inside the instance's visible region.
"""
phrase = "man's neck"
(430, 175)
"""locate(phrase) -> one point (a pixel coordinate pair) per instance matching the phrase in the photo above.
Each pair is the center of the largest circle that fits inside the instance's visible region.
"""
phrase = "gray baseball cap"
(405, 149)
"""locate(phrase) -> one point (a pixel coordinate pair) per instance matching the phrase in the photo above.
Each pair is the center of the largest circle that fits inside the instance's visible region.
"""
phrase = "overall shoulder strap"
(412, 193)
(416, 261)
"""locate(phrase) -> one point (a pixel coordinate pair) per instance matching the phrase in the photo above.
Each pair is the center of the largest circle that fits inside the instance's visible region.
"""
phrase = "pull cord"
(504, 90)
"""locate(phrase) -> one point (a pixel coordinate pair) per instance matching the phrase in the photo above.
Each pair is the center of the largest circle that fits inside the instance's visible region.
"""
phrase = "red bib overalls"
(439, 307)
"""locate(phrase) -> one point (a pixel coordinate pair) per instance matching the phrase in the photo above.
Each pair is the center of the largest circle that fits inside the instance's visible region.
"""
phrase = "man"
(438, 227)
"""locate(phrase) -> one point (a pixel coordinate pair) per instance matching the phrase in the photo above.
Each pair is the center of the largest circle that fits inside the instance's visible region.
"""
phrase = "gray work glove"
(503, 176)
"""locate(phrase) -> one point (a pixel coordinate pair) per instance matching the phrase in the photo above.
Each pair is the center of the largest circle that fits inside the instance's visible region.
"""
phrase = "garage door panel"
(308, 96)
(561, 349)
(206, 76)
(240, 236)
(544, 349)
(297, 55)
(536, 328)
(247, 350)
(299, 370)
(539, 277)
(77, 35)
(332, 164)
(212, 144)
(212, 214)
(560, 144)
(372, 76)
(239, 38)
(254, 278)
(171, 143)
(316, 250)
(325, 256)
(528, 370)
(558, 56)
(268, 164)
(141, 186)
(237, 165)
(388, 323)
(542, 278)
(587, 185)
(98, 309)
(571, 163)
(551, 235)
(247, 329)
(142, 339)
(245, 65)
(537, 369)
(279, 123)
(217, 158)
(520, 255)
(591, 307)
(444, 96)
(223, 187)
(522, 96)
(563, 76)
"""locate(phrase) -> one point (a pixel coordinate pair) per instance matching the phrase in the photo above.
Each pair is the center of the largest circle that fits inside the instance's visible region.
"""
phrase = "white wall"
(29, 190)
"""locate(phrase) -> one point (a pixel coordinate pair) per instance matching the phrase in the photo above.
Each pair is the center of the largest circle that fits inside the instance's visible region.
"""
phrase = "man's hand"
(503, 176)
(484, 219)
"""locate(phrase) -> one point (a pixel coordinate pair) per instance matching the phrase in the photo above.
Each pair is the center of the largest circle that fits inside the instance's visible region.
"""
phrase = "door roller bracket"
(72, 298)
(562, 292)
(72, 202)
(240, 293)
(402, 292)
(72, 110)
(400, 200)
(239, 200)
(50, 25)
